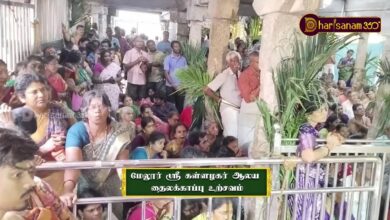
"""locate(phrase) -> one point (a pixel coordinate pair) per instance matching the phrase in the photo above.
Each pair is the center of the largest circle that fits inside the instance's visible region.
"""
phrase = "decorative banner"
(311, 24)
(196, 182)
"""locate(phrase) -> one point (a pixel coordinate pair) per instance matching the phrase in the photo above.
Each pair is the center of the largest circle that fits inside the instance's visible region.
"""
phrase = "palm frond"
(269, 120)
(384, 114)
(198, 113)
(384, 74)
(255, 26)
(371, 63)
(195, 54)
(193, 80)
(296, 78)
(382, 104)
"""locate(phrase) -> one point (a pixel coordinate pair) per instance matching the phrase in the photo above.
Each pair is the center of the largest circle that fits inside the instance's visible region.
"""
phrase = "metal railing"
(376, 148)
(370, 189)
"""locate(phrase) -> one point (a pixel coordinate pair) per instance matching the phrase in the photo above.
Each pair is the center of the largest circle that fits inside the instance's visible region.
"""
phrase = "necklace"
(92, 140)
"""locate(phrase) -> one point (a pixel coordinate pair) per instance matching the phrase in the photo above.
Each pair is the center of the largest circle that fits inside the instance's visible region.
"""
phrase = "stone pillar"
(196, 14)
(221, 14)
(99, 15)
(386, 46)
(172, 31)
(178, 27)
(359, 68)
(280, 22)
(195, 33)
(182, 32)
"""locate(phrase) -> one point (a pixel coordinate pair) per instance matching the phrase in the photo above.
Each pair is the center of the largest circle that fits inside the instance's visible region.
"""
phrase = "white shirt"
(227, 84)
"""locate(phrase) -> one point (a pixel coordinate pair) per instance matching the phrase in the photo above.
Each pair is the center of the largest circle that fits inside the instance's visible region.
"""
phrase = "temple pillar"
(195, 33)
(221, 14)
(196, 14)
(359, 68)
(178, 26)
(386, 46)
(182, 32)
(98, 15)
(280, 23)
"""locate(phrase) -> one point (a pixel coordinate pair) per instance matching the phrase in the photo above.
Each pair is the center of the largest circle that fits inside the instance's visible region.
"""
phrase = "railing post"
(376, 197)
(109, 211)
(274, 205)
(277, 148)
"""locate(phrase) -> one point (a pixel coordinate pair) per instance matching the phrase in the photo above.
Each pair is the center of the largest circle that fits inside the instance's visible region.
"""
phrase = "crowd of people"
(352, 108)
(103, 100)
(116, 99)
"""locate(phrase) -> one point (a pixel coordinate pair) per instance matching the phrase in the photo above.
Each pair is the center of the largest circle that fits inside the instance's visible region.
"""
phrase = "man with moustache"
(22, 195)
(227, 85)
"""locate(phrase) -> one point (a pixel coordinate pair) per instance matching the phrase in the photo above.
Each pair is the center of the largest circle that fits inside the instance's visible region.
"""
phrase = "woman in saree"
(52, 123)
(96, 138)
(308, 206)
(107, 80)
(77, 77)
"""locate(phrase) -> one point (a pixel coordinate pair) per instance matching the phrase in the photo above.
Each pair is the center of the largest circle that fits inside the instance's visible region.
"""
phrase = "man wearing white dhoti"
(249, 85)
(227, 85)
